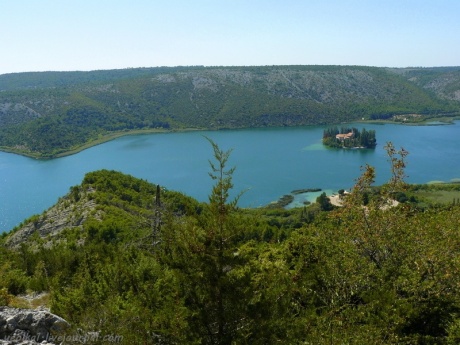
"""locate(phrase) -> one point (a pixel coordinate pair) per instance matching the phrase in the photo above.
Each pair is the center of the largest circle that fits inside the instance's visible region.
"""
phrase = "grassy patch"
(31, 301)
(439, 196)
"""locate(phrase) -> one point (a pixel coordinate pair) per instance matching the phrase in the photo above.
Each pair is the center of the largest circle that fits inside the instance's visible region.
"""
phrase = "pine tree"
(203, 253)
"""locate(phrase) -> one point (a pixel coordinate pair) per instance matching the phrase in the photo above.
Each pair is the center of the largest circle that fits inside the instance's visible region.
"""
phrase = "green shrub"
(5, 297)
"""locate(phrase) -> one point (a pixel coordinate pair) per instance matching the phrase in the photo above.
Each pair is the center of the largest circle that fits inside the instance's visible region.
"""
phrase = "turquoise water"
(269, 163)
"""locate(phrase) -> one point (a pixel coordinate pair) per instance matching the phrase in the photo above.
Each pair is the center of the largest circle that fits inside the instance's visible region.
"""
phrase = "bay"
(269, 163)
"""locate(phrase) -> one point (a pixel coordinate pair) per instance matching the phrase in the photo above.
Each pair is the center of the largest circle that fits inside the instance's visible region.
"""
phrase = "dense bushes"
(181, 272)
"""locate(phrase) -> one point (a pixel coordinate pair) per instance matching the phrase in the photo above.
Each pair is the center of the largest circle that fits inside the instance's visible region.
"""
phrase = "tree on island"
(346, 137)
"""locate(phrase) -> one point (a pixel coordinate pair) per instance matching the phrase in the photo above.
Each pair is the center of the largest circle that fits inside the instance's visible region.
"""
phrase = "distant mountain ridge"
(49, 113)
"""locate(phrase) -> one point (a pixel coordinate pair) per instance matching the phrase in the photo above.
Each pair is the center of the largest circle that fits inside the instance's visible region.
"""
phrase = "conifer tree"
(203, 253)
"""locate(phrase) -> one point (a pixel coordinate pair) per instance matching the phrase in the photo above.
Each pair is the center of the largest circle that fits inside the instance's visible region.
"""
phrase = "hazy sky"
(63, 35)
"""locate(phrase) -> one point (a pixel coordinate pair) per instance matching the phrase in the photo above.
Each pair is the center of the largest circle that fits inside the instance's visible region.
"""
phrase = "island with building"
(345, 137)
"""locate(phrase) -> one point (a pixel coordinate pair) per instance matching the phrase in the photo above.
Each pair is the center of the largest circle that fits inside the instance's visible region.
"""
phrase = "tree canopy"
(369, 272)
(346, 137)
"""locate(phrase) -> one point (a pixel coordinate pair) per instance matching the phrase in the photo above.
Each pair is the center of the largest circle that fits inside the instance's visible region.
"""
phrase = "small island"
(349, 138)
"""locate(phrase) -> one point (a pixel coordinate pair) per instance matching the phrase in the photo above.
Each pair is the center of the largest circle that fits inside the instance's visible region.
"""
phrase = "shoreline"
(440, 121)
(103, 139)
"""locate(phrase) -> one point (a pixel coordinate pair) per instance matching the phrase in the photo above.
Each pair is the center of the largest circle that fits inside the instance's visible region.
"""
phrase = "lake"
(269, 163)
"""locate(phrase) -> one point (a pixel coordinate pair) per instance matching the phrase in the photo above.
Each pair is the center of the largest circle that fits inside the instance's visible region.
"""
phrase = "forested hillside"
(49, 113)
(150, 266)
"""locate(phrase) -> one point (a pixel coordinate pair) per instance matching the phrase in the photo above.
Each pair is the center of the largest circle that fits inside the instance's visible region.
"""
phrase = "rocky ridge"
(67, 213)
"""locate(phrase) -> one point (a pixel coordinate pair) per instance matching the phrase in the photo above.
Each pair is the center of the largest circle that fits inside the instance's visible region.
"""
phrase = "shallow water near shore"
(270, 163)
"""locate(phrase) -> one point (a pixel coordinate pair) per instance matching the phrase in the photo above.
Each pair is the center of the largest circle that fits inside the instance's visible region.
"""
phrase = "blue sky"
(63, 35)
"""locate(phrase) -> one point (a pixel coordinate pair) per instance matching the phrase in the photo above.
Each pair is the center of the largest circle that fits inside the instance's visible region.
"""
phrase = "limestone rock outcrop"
(30, 327)
(66, 214)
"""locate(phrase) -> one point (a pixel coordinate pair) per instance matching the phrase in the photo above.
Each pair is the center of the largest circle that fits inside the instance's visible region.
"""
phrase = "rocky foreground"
(30, 327)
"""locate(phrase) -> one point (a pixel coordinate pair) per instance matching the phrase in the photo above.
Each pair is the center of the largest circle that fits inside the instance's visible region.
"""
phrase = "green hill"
(144, 265)
(50, 113)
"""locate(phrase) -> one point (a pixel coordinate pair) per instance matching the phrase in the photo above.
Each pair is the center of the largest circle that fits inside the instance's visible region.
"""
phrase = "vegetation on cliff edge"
(155, 266)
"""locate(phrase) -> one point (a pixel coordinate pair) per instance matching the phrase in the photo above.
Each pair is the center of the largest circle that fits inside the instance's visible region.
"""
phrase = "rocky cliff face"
(29, 327)
(68, 213)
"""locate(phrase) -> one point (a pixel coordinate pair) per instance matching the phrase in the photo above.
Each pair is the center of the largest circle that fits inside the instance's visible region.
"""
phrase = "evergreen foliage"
(354, 138)
(324, 202)
(218, 274)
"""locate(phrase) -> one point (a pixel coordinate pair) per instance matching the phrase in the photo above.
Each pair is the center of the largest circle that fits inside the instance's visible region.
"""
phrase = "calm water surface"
(269, 163)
